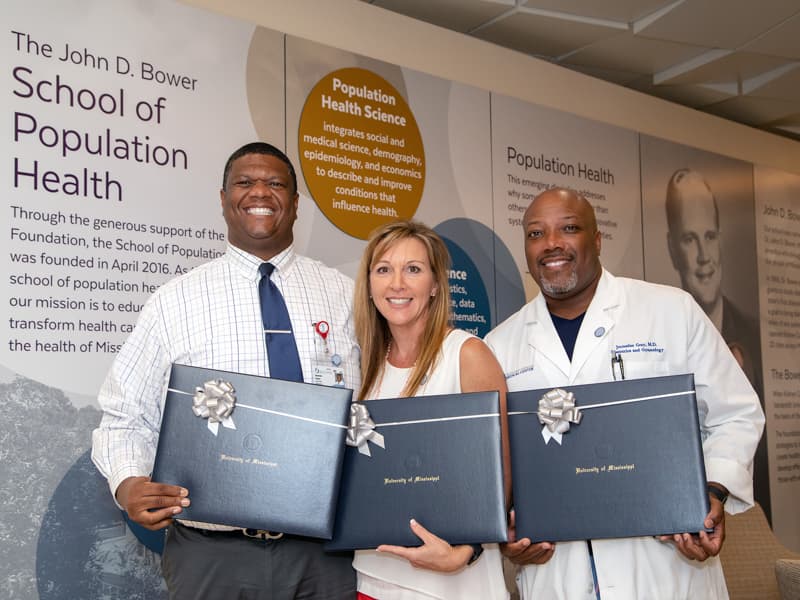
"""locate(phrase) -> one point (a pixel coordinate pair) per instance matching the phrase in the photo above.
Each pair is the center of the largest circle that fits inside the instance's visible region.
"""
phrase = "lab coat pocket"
(640, 365)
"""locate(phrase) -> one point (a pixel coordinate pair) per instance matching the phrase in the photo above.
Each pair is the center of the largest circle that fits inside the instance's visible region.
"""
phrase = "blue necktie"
(284, 362)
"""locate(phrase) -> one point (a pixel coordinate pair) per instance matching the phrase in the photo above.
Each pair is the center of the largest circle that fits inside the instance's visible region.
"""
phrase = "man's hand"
(151, 505)
(523, 552)
(435, 554)
(700, 547)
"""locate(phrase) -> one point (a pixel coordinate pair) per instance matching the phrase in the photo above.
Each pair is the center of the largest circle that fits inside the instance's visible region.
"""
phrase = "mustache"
(556, 254)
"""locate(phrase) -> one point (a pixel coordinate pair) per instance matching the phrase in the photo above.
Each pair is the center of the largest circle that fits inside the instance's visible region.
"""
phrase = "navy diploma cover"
(629, 464)
(272, 462)
(441, 464)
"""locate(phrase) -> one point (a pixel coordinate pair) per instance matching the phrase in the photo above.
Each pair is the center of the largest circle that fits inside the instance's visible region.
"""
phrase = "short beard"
(554, 289)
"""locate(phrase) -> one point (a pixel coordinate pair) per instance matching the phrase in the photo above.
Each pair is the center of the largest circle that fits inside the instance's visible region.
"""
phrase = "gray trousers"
(199, 565)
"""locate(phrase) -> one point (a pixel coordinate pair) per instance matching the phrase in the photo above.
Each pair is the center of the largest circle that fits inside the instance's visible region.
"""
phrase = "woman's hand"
(435, 554)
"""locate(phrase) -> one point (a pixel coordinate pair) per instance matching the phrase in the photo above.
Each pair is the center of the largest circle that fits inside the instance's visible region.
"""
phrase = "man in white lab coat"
(565, 336)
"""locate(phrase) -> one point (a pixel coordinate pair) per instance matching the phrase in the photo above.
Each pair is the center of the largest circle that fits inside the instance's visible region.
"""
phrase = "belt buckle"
(262, 534)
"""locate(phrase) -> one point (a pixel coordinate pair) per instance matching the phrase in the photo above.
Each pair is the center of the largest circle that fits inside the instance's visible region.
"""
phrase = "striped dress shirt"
(211, 317)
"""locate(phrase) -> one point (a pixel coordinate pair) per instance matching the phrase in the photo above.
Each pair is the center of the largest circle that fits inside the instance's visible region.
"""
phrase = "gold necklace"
(389, 349)
(379, 385)
(423, 382)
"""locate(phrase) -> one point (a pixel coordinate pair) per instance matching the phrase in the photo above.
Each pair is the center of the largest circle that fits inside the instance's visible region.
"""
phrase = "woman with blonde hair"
(409, 348)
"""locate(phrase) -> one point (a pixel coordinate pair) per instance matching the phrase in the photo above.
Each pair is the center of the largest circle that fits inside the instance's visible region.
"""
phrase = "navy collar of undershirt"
(568, 331)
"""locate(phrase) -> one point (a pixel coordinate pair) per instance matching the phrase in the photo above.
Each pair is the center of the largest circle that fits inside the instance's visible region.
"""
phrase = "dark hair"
(259, 148)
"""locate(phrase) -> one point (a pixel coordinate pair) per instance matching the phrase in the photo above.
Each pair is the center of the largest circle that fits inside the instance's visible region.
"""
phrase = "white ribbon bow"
(215, 401)
(361, 429)
(556, 411)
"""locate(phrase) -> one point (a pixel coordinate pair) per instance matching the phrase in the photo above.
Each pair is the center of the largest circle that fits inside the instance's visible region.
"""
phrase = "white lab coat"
(680, 339)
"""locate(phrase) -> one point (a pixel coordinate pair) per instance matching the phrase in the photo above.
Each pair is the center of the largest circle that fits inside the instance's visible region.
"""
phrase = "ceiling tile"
(458, 15)
(618, 77)
(783, 40)
(786, 86)
(542, 35)
(629, 52)
(753, 111)
(719, 23)
(731, 67)
(740, 60)
(695, 96)
(624, 11)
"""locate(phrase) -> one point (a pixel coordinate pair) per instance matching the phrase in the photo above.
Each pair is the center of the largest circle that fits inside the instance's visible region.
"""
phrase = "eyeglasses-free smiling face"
(259, 206)
(402, 283)
(562, 244)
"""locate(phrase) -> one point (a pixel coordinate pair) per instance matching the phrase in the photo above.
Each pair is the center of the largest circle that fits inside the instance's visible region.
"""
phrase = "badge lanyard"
(322, 329)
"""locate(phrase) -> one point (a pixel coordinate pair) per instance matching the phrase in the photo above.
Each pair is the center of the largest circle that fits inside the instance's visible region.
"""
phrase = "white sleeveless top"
(389, 577)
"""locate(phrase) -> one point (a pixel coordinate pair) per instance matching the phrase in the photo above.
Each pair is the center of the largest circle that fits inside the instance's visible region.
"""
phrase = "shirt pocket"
(640, 366)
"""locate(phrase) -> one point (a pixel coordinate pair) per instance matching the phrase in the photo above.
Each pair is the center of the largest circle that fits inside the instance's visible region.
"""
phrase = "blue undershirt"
(568, 331)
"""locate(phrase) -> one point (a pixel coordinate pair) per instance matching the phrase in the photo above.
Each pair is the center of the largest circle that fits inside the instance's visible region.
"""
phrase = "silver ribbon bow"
(361, 429)
(556, 411)
(215, 401)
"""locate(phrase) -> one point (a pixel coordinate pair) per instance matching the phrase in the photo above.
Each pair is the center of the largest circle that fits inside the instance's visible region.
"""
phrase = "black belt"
(253, 534)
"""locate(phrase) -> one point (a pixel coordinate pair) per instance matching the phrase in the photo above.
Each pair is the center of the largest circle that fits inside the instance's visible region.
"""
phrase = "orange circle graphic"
(361, 151)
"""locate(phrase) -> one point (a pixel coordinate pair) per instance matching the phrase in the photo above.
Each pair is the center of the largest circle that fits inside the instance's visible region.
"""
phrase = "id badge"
(328, 375)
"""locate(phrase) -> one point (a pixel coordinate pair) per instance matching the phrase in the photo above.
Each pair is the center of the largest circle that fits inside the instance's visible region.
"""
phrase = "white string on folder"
(272, 412)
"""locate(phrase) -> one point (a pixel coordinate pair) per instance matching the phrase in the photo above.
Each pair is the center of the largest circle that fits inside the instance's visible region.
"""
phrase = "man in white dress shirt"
(211, 317)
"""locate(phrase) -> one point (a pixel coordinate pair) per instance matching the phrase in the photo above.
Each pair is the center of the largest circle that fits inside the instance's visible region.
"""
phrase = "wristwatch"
(718, 493)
